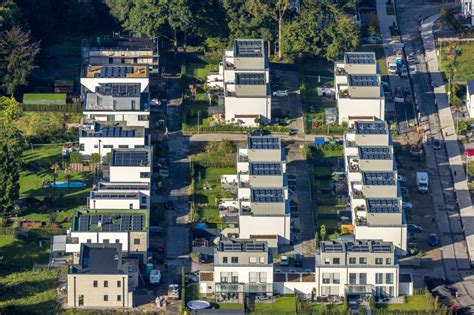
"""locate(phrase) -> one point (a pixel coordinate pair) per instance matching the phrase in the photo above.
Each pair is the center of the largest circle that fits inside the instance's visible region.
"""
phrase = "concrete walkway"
(463, 196)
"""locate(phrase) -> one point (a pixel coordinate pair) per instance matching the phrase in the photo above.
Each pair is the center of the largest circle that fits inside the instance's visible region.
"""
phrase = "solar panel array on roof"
(130, 158)
(110, 132)
(379, 178)
(358, 247)
(115, 196)
(371, 127)
(264, 143)
(231, 246)
(103, 186)
(267, 195)
(113, 72)
(381, 247)
(248, 48)
(375, 153)
(119, 89)
(360, 58)
(109, 223)
(254, 247)
(265, 169)
(383, 205)
(332, 247)
(363, 80)
(250, 78)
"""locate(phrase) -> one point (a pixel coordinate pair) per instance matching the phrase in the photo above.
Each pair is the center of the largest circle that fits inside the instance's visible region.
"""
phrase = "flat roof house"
(263, 191)
(131, 165)
(129, 229)
(120, 195)
(121, 50)
(359, 91)
(241, 268)
(121, 102)
(102, 137)
(102, 278)
(372, 177)
(244, 80)
(357, 269)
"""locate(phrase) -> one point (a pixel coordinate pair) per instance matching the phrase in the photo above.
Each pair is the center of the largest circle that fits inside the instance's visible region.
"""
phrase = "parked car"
(407, 205)
(280, 93)
(284, 261)
(298, 260)
(259, 132)
(205, 259)
(469, 152)
(436, 144)
(433, 239)
(392, 68)
(155, 229)
(293, 132)
(414, 228)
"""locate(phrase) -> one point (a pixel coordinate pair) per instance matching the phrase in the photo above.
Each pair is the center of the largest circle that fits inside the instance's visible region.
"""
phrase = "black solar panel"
(375, 153)
(371, 127)
(113, 72)
(110, 132)
(357, 247)
(383, 205)
(360, 58)
(332, 248)
(250, 78)
(264, 143)
(381, 248)
(130, 158)
(249, 48)
(379, 178)
(363, 80)
(254, 247)
(265, 169)
(267, 195)
(231, 246)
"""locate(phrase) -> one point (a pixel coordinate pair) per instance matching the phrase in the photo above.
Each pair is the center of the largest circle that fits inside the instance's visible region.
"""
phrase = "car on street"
(469, 152)
(433, 239)
(372, 39)
(284, 261)
(293, 132)
(392, 68)
(414, 228)
(436, 144)
(280, 93)
(259, 132)
(298, 260)
(205, 259)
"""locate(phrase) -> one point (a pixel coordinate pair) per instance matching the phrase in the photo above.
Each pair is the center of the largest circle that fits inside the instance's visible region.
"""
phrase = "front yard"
(457, 56)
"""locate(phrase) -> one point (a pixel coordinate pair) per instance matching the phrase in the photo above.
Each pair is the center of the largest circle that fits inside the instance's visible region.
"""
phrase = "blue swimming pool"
(68, 185)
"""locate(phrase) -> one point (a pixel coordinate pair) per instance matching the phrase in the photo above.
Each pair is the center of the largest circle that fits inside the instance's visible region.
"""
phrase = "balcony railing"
(359, 288)
(223, 287)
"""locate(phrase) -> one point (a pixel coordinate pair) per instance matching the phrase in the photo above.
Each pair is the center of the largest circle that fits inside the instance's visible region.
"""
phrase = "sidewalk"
(463, 196)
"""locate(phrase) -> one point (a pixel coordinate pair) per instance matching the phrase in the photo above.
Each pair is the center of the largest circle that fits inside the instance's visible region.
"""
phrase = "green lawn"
(282, 305)
(464, 65)
(418, 303)
(322, 171)
(30, 292)
(200, 71)
(333, 309)
(328, 209)
(42, 97)
(231, 306)
(208, 191)
(20, 256)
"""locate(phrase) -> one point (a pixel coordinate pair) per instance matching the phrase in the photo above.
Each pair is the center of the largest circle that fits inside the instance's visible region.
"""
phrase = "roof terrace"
(109, 221)
(113, 71)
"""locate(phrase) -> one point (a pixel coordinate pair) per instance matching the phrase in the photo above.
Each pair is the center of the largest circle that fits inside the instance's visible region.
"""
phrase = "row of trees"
(321, 28)
(10, 153)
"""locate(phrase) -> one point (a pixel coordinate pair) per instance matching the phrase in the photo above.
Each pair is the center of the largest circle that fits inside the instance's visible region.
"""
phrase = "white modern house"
(110, 226)
(120, 195)
(120, 102)
(244, 79)
(466, 7)
(359, 91)
(357, 269)
(375, 197)
(263, 191)
(241, 267)
(102, 137)
(96, 75)
(131, 165)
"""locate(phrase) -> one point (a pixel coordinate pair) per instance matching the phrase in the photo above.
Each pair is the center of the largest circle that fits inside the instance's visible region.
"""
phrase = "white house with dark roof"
(131, 165)
(244, 80)
(359, 91)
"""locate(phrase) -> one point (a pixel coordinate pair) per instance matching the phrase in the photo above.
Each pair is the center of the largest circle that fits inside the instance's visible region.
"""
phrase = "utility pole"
(199, 113)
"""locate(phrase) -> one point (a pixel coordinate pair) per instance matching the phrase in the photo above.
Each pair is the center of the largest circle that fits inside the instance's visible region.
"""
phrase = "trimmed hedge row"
(67, 108)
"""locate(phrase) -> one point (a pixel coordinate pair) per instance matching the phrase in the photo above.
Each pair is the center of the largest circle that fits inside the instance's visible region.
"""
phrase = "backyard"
(419, 302)
(209, 163)
(38, 166)
(23, 289)
(461, 54)
(283, 305)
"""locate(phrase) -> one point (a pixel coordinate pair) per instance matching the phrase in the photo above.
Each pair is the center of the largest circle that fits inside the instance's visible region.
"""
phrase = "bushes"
(64, 108)
(231, 129)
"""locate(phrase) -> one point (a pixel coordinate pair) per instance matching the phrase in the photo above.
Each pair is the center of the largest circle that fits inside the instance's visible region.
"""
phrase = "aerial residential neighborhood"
(236, 157)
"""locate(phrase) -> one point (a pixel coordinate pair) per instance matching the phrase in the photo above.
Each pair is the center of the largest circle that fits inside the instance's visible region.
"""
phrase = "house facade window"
(224, 277)
(224, 260)
(352, 261)
(235, 260)
(362, 260)
(389, 278)
(362, 278)
(106, 284)
(336, 261)
(143, 118)
(235, 277)
(136, 241)
(94, 284)
(336, 278)
(119, 284)
(81, 300)
(352, 278)
(388, 261)
(252, 260)
(378, 278)
(119, 298)
(108, 146)
(326, 278)
(378, 261)
(106, 298)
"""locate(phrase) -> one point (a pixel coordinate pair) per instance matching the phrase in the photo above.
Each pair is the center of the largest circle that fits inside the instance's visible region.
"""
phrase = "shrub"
(76, 157)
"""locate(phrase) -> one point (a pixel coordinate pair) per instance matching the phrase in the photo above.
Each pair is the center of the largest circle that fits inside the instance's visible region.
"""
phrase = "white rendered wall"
(349, 107)
(131, 118)
(129, 174)
(395, 234)
(92, 83)
(90, 143)
(265, 225)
